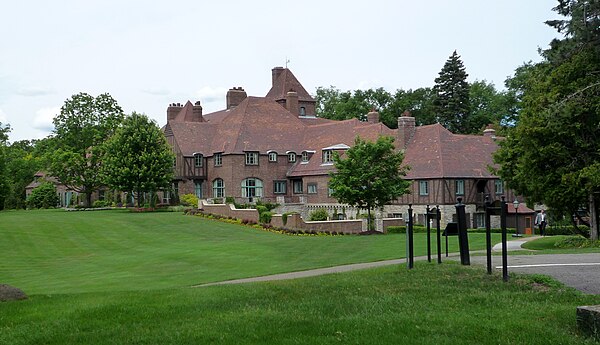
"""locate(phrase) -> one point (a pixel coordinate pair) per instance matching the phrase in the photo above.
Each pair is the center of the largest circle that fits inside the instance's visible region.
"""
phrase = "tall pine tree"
(451, 101)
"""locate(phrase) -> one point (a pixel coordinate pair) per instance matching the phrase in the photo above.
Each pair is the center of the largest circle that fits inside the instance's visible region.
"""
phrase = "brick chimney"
(197, 112)
(173, 110)
(489, 132)
(406, 130)
(291, 102)
(235, 96)
(276, 72)
(373, 116)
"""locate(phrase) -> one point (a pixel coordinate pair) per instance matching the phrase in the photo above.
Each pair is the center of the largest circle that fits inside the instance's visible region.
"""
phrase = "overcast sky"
(148, 54)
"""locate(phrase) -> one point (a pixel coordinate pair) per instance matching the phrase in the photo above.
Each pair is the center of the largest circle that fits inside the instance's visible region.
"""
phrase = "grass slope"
(53, 251)
(432, 304)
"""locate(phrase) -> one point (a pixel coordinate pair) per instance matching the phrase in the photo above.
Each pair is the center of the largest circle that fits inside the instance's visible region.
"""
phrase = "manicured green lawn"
(432, 304)
(546, 245)
(54, 252)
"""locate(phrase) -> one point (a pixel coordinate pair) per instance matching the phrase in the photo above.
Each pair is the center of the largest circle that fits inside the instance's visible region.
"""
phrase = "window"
(252, 187)
(329, 191)
(218, 159)
(499, 187)
(297, 186)
(327, 156)
(218, 188)
(279, 187)
(176, 188)
(302, 111)
(198, 189)
(166, 197)
(311, 188)
(272, 156)
(291, 157)
(304, 156)
(251, 158)
(460, 187)
(423, 188)
(198, 158)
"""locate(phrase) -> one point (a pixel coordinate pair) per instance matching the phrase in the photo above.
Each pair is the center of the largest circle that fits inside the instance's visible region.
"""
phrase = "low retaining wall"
(295, 221)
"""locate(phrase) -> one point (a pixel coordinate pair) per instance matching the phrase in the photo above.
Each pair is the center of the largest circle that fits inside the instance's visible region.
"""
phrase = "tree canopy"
(369, 174)
(552, 156)
(451, 102)
(80, 130)
(4, 185)
(138, 157)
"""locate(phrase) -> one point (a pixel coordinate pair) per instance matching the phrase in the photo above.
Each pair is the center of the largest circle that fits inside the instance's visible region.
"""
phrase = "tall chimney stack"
(197, 112)
(373, 116)
(291, 102)
(276, 72)
(172, 110)
(235, 96)
(406, 130)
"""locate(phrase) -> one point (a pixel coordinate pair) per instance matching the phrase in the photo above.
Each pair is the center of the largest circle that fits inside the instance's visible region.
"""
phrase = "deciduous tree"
(83, 125)
(138, 157)
(369, 174)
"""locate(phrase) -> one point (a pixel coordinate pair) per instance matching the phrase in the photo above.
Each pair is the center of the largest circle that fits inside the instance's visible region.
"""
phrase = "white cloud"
(157, 91)
(43, 118)
(209, 94)
(33, 91)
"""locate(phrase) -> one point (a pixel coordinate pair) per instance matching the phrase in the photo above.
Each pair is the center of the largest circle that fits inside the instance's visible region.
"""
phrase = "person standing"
(541, 220)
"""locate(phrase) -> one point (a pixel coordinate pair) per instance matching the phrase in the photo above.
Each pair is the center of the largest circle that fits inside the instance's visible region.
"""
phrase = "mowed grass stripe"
(54, 251)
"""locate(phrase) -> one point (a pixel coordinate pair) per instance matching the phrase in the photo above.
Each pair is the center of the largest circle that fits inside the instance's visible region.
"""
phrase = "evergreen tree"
(451, 101)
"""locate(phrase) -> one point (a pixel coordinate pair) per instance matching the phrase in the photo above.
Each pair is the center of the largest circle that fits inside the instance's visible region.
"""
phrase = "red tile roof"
(286, 82)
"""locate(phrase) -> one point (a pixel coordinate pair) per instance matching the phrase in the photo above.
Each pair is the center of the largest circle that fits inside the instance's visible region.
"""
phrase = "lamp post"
(516, 205)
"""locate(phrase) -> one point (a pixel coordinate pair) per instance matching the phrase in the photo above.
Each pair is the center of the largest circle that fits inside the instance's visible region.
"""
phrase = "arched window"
(252, 187)
(198, 158)
(218, 188)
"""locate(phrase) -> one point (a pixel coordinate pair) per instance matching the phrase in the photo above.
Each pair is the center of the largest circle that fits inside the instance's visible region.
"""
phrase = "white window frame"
(198, 160)
(218, 158)
(272, 156)
(423, 188)
(297, 183)
(459, 186)
(305, 157)
(198, 189)
(251, 158)
(252, 187)
(327, 156)
(499, 187)
(292, 157)
(280, 187)
(311, 188)
(218, 188)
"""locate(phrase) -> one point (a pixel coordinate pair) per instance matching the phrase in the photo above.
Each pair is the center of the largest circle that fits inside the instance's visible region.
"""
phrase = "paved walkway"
(581, 271)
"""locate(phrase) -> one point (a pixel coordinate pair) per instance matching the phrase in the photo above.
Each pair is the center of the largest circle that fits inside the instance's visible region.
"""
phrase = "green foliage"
(319, 214)
(576, 242)
(101, 203)
(189, 200)
(138, 157)
(229, 200)
(4, 177)
(80, 130)
(451, 102)
(369, 175)
(43, 196)
(265, 217)
(552, 156)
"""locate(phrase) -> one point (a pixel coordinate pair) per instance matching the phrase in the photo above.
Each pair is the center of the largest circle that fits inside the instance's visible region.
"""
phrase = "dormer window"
(302, 111)
(291, 157)
(272, 156)
(327, 156)
(198, 158)
(305, 157)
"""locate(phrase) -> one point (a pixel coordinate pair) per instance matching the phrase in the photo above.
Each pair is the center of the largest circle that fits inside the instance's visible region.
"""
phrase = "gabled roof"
(435, 152)
(286, 82)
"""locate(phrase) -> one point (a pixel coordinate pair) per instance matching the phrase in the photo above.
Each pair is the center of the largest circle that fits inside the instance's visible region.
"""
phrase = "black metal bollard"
(439, 239)
(463, 238)
(409, 229)
(488, 233)
(503, 214)
(427, 218)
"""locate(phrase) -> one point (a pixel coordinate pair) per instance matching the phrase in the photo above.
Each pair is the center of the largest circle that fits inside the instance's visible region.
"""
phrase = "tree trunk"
(369, 226)
(593, 217)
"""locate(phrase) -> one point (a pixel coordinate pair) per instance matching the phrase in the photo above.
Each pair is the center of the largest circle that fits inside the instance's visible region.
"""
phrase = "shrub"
(100, 203)
(43, 196)
(319, 214)
(396, 229)
(189, 200)
(229, 200)
(285, 216)
(576, 242)
(265, 217)
(564, 230)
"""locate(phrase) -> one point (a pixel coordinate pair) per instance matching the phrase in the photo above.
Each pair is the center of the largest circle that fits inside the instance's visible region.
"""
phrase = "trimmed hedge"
(422, 229)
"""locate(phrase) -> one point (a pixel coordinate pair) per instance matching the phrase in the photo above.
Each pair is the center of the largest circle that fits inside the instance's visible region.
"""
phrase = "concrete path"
(581, 271)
